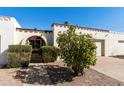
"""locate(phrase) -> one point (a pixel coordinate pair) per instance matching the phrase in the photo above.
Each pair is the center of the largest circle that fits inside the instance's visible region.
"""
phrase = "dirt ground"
(54, 74)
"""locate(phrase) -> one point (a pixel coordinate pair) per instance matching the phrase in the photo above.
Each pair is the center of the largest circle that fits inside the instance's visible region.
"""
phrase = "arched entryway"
(36, 42)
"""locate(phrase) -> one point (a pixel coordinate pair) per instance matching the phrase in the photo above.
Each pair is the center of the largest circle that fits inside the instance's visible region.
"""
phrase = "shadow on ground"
(45, 75)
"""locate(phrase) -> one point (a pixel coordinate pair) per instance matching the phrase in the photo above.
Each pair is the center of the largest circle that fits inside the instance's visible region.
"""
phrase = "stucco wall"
(7, 31)
(12, 33)
(23, 35)
(49, 37)
(9, 34)
(112, 47)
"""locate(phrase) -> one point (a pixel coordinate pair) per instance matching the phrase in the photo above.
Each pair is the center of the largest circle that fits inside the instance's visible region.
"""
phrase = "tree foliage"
(78, 51)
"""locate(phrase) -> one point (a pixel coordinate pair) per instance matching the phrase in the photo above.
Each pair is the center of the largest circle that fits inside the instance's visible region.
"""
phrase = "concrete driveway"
(113, 67)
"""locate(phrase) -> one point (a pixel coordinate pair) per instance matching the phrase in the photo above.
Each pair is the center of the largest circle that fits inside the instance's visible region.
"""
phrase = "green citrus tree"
(78, 51)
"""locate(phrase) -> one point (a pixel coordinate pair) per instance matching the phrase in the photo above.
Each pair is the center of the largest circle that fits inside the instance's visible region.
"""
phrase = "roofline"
(6, 16)
(35, 29)
(89, 28)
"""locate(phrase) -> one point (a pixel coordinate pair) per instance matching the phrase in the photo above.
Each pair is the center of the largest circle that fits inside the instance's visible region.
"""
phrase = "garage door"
(120, 47)
(98, 50)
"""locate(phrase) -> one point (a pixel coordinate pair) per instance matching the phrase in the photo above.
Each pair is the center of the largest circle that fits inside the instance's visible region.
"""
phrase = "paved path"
(113, 67)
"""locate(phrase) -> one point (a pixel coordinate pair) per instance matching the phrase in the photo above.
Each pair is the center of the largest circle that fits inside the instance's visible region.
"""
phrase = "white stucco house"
(108, 43)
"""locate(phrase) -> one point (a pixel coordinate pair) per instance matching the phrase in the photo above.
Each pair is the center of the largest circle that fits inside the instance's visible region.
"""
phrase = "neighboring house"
(108, 43)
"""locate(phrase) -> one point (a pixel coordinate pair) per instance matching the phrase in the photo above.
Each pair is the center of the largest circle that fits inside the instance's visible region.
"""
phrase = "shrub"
(19, 55)
(25, 59)
(78, 51)
(20, 48)
(49, 53)
(13, 59)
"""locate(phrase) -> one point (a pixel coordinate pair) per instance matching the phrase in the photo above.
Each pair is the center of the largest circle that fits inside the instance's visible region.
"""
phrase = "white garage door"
(98, 50)
(121, 48)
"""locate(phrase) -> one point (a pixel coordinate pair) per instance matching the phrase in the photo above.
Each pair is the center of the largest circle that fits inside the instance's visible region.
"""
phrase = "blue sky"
(43, 17)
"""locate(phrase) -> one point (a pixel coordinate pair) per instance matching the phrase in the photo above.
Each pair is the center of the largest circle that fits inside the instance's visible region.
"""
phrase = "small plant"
(49, 53)
(19, 55)
(78, 51)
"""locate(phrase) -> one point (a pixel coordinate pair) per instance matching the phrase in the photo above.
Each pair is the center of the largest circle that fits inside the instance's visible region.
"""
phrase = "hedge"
(49, 53)
(20, 48)
(13, 60)
(19, 55)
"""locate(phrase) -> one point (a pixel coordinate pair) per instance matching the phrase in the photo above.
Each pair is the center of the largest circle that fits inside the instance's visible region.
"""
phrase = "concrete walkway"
(113, 67)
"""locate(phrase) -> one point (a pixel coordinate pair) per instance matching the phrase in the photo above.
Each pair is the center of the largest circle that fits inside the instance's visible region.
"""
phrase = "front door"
(35, 43)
